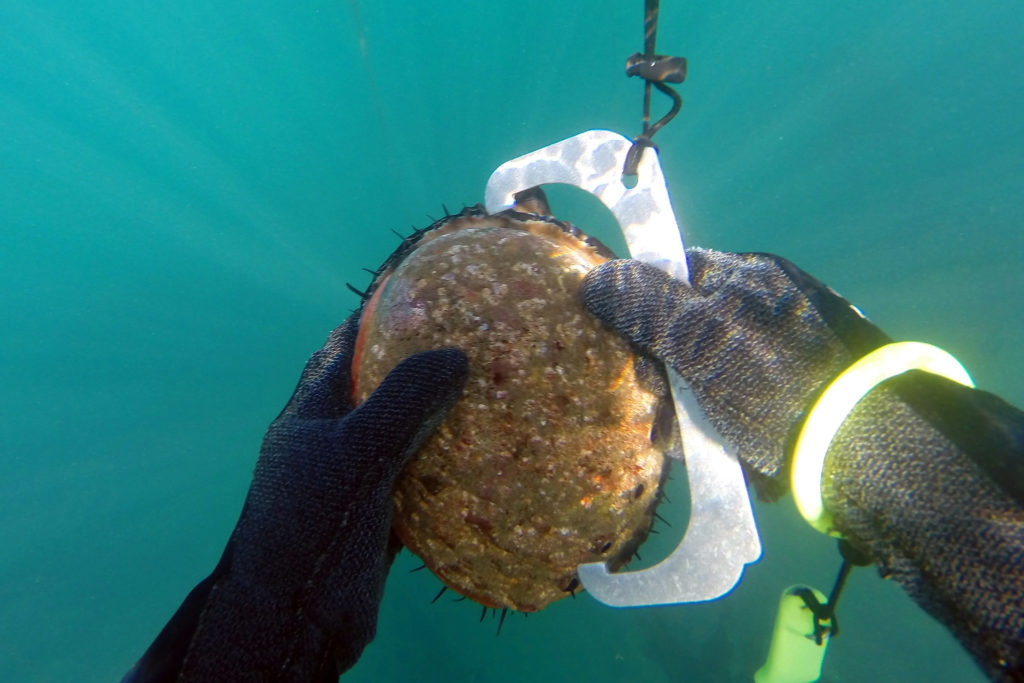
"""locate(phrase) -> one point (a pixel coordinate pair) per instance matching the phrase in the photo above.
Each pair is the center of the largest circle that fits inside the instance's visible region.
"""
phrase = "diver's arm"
(296, 592)
(924, 475)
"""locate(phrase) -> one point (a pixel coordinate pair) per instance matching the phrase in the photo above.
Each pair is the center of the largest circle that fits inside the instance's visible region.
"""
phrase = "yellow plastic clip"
(794, 656)
(835, 404)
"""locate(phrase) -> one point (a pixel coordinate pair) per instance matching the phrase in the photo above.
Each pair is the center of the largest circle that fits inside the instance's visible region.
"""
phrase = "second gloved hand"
(755, 337)
(296, 592)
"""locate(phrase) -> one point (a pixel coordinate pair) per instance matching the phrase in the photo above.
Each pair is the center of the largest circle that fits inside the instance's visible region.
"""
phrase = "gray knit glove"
(925, 476)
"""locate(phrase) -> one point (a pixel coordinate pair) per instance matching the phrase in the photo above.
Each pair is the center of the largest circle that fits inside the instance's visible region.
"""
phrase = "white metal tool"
(722, 536)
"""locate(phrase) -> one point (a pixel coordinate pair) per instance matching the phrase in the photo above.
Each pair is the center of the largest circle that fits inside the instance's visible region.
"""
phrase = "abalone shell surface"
(546, 461)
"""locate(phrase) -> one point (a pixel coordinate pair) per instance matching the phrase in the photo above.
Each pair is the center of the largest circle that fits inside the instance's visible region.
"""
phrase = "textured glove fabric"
(943, 519)
(296, 593)
(925, 475)
(756, 344)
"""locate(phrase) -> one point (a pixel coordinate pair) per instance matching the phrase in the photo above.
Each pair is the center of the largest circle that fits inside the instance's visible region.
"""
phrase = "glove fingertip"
(606, 285)
(429, 378)
(410, 403)
(633, 297)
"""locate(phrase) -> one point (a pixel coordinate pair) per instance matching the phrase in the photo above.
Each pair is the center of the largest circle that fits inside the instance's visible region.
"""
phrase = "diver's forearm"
(935, 521)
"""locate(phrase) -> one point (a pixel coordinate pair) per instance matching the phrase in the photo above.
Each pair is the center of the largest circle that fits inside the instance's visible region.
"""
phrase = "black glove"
(925, 476)
(296, 593)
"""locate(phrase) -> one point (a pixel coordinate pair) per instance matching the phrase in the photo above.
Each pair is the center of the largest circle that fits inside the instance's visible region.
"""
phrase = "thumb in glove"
(296, 593)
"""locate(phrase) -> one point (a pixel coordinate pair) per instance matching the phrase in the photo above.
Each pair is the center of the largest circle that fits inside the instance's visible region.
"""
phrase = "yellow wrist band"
(836, 403)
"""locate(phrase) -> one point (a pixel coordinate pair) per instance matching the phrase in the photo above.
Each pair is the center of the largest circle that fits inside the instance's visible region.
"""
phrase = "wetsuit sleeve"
(926, 476)
(296, 592)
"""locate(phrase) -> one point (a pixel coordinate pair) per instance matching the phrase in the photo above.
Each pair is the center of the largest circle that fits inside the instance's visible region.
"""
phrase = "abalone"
(548, 460)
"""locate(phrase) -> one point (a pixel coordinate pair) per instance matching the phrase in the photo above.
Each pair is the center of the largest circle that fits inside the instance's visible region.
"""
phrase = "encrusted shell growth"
(546, 461)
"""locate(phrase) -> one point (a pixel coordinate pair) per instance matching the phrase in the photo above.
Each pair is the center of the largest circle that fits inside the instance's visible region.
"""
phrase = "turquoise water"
(186, 187)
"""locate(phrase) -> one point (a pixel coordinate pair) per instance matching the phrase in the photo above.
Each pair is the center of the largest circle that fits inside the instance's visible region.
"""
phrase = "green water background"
(185, 188)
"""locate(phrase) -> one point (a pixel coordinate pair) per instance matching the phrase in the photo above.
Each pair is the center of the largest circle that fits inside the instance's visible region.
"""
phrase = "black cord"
(825, 620)
(656, 70)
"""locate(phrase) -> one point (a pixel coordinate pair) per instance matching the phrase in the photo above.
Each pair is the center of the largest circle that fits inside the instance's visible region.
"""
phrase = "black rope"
(656, 70)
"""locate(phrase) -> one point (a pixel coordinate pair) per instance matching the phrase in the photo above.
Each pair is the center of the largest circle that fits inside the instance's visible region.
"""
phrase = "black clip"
(661, 69)
(656, 70)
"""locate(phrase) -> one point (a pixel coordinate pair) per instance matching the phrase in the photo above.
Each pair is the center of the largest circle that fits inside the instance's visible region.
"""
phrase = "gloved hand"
(296, 593)
(925, 476)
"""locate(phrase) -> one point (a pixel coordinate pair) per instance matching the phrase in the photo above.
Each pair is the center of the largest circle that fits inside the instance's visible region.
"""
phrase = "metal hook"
(656, 70)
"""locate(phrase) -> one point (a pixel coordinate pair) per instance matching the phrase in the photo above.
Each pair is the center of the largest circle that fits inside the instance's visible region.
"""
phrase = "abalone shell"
(547, 460)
